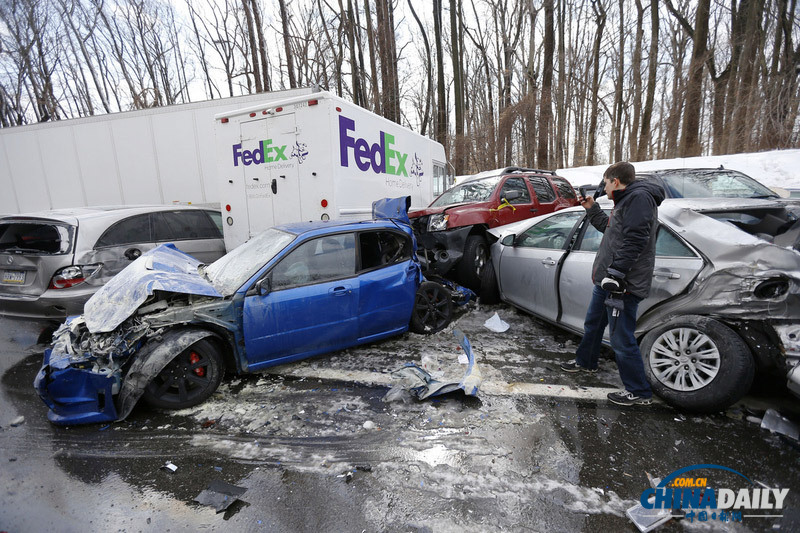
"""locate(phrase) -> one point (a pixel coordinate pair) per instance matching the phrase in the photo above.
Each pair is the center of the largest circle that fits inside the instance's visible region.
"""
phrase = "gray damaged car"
(725, 300)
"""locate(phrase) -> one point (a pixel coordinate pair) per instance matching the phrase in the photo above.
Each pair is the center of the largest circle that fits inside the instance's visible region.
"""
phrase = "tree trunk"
(546, 101)
(690, 141)
(287, 44)
(647, 112)
(600, 20)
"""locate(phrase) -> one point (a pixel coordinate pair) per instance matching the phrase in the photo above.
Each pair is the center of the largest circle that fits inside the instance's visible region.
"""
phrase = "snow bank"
(778, 168)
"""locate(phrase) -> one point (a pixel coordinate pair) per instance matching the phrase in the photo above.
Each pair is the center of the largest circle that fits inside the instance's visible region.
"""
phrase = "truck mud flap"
(150, 363)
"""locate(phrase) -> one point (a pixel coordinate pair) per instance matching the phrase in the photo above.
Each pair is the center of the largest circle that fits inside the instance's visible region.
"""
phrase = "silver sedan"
(725, 299)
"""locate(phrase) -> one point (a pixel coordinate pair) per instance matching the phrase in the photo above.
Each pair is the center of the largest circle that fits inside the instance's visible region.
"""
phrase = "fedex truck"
(317, 157)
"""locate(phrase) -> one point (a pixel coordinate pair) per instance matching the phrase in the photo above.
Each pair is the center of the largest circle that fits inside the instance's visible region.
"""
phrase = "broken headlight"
(438, 222)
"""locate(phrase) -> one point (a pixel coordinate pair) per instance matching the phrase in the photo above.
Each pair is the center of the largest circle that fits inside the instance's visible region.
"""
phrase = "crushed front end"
(82, 373)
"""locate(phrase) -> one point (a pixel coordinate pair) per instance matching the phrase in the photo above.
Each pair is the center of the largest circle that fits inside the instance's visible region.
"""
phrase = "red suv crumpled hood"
(454, 208)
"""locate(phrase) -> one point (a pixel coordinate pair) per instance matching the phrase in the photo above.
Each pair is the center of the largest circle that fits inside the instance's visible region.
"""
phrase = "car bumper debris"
(422, 385)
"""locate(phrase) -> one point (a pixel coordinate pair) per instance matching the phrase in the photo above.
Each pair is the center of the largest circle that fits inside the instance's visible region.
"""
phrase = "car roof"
(698, 170)
(508, 171)
(334, 226)
(72, 215)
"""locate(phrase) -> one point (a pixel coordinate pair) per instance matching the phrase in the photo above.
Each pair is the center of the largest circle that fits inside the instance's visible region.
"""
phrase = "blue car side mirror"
(263, 287)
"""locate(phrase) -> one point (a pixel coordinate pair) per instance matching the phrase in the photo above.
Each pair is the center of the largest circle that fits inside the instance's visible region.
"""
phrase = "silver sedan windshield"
(230, 271)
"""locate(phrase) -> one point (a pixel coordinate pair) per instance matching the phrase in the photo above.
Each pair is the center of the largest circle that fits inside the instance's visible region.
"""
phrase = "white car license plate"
(13, 276)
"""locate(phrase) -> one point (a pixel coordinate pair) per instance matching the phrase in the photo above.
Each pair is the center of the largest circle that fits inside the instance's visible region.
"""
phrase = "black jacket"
(628, 249)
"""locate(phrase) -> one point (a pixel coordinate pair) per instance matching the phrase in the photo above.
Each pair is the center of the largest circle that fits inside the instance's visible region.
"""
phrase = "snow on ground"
(777, 168)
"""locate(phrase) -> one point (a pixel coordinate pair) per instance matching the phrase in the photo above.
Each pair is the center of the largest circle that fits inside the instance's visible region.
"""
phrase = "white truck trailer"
(317, 157)
(150, 156)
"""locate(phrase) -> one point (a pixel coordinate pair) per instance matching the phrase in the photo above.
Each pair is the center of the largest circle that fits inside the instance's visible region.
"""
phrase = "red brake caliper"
(194, 358)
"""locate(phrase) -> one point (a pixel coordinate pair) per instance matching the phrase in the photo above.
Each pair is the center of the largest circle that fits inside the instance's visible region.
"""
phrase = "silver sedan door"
(527, 270)
(676, 265)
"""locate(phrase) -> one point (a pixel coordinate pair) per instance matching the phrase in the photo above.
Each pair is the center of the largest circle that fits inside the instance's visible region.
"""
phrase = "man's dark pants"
(623, 341)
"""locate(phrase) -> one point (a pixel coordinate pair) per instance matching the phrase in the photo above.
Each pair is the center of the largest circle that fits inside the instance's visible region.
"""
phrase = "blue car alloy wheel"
(187, 380)
(433, 308)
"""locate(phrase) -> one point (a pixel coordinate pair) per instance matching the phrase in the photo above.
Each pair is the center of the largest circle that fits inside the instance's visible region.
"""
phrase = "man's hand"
(613, 284)
(586, 201)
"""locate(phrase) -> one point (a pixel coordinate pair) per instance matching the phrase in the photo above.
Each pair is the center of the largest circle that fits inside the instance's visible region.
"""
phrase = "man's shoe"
(624, 397)
(573, 366)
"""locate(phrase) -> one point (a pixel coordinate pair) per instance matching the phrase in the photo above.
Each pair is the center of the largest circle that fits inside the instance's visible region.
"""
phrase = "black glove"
(613, 284)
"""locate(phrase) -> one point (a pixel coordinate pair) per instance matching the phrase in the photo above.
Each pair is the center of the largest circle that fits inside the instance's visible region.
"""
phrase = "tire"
(188, 380)
(433, 309)
(471, 265)
(725, 376)
(489, 292)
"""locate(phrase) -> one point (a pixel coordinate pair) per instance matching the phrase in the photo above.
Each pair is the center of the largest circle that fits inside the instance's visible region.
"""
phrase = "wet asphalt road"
(318, 448)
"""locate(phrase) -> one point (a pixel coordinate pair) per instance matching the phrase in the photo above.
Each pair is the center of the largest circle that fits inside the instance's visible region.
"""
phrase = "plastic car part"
(422, 385)
(476, 255)
(433, 308)
(697, 363)
(188, 379)
(151, 360)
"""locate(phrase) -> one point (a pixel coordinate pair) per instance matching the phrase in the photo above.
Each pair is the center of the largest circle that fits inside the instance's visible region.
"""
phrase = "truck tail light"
(278, 109)
(324, 203)
(224, 120)
(228, 208)
(313, 102)
(252, 114)
(70, 276)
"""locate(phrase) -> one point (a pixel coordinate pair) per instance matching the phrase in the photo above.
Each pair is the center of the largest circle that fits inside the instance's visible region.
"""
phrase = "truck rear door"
(283, 168)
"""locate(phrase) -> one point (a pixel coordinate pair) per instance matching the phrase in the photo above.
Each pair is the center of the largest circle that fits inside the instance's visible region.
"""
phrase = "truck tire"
(433, 308)
(476, 255)
(489, 293)
(189, 379)
(697, 363)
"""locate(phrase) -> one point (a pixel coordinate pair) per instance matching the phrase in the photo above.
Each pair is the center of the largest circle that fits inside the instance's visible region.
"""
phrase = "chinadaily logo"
(380, 156)
(708, 493)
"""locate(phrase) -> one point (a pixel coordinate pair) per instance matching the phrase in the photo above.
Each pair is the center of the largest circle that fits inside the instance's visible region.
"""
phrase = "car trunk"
(774, 224)
(31, 250)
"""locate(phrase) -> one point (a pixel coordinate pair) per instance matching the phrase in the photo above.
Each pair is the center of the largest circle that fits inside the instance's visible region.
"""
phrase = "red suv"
(451, 231)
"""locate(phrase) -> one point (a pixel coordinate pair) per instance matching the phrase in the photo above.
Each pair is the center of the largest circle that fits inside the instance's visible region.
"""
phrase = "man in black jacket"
(622, 274)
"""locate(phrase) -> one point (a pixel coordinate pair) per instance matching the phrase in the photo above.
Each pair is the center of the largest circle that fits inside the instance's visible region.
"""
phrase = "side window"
(315, 261)
(439, 179)
(516, 184)
(183, 225)
(551, 233)
(542, 189)
(379, 248)
(591, 239)
(564, 188)
(127, 231)
(216, 218)
(668, 245)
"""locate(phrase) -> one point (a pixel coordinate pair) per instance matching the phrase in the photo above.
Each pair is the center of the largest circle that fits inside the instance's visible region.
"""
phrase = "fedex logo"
(381, 156)
(263, 154)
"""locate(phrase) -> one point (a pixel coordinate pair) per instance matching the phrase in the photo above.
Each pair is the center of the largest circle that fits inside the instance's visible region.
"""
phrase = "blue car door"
(388, 283)
(310, 307)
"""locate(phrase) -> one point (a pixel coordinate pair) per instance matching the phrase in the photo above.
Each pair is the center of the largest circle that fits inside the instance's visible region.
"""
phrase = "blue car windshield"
(471, 191)
(230, 271)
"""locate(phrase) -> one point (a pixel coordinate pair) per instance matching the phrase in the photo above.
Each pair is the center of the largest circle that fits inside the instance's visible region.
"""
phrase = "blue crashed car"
(168, 327)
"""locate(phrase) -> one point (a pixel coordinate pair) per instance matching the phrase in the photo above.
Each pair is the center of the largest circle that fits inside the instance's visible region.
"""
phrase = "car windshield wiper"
(765, 196)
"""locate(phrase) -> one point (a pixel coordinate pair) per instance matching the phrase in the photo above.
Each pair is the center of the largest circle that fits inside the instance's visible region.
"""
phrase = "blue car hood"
(164, 268)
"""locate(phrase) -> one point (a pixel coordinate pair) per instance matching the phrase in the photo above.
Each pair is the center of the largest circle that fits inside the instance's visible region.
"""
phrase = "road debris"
(168, 466)
(18, 421)
(422, 385)
(219, 495)
(776, 423)
(496, 324)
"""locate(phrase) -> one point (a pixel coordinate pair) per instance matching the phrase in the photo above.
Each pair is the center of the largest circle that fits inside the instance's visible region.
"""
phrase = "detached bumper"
(441, 250)
(75, 395)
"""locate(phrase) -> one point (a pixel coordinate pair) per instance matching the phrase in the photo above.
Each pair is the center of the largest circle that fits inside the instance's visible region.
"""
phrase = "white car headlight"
(438, 222)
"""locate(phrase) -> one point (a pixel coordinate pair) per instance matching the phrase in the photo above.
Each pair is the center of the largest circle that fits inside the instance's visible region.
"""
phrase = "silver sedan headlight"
(438, 222)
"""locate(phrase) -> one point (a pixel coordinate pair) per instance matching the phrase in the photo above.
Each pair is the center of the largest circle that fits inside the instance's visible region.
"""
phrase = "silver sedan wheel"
(684, 359)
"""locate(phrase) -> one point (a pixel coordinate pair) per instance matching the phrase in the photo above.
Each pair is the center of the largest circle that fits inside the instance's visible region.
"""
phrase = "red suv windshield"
(471, 191)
